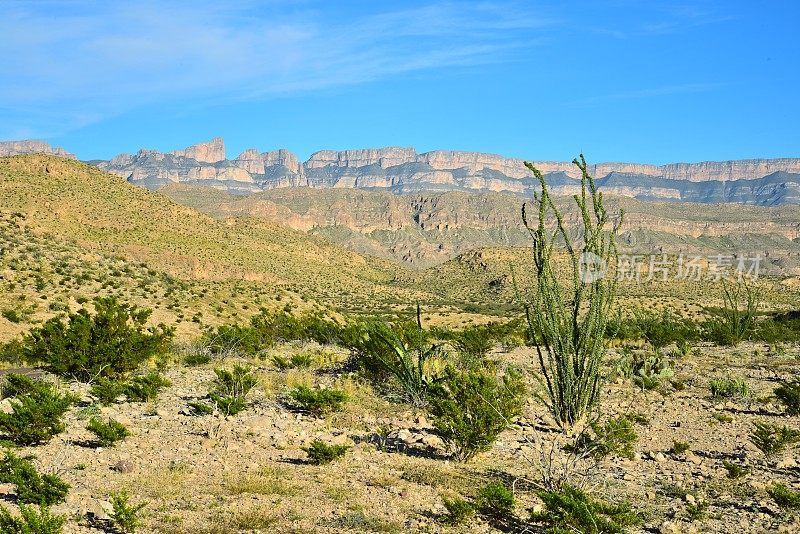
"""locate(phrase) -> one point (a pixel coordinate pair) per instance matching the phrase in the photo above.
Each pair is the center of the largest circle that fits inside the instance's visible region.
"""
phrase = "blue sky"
(642, 81)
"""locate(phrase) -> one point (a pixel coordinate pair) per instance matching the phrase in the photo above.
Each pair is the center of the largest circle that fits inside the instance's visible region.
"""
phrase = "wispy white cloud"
(64, 64)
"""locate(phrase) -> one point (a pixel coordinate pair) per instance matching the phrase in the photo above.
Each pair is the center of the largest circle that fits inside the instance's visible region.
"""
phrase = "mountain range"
(765, 182)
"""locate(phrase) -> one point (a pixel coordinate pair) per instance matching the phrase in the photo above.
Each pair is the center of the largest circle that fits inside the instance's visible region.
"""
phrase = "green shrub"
(111, 342)
(196, 358)
(37, 411)
(473, 343)
(734, 471)
(318, 401)
(729, 388)
(200, 408)
(736, 320)
(145, 388)
(12, 315)
(789, 395)
(572, 510)
(31, 521)
(106, 390)
(32, 487)
(773, 440)
(697, 511)
(400, 353)
(616, 437)
(663, 329)
(320, 453)
(783, 496)
(470, 409)
(458, 510)
(495, 500)
(124, 515)
(107, 433)
(679, 447)
(231, 387)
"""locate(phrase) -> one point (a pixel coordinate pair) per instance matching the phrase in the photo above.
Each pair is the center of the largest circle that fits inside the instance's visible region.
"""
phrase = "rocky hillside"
(765, 182)
(424, 229)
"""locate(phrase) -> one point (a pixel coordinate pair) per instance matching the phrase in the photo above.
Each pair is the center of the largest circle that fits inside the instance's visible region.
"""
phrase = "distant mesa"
(402, 170)
(15, 148)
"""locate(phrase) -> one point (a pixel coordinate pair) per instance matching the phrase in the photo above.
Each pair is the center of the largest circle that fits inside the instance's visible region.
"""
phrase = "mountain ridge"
(402, 170)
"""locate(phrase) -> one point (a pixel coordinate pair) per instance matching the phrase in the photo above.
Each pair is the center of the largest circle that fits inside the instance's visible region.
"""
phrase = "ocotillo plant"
(567, 320)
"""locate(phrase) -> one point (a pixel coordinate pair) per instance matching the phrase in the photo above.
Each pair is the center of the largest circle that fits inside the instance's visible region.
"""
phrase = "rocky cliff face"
(402, 170)
(13, 148)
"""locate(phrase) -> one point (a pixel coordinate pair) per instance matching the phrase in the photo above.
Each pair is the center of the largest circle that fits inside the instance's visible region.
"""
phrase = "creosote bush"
(318, 401)
(32, 487)
(107, 433)
(734, 471)
(495, 500)
(107, 391)
(784, 497)
(36, 411)
(614, 438)
(567, 322)
(773, 440)
(789, 395)
(320, 453)
(125, 515)
(31, 520)
(111, 342)
(145, 388)
(572, 510)
(459, 510)
(231, 387)
(470, 409)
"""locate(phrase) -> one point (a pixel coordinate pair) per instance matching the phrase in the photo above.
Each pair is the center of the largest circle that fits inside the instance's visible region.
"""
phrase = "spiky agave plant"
(567, 320)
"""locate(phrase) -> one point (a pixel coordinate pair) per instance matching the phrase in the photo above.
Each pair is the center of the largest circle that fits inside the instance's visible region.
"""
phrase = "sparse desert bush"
(780, 328)
(495, 500)
(679, 447)
(400, 353)
(124, 515)
(614, 438)
(471, 408)
(111, 342)
(318, 401)
(736, 320)
(31, 521)
(789, 395)
(231, 388)
(320, 453)
(107, 433)
(734, 471)
(568, 321)
(146, 387)
(200, 408)
(31, 486)
(107, 390)
(783, 496)
(773, 440)
(729, 388)
(572, 510)
(36, 411)
(663, 329)
(459, 510)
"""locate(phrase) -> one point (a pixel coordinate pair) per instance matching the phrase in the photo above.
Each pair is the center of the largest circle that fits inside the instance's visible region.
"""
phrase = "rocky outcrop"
(13, 148)
(402, 170)
(211, 152)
